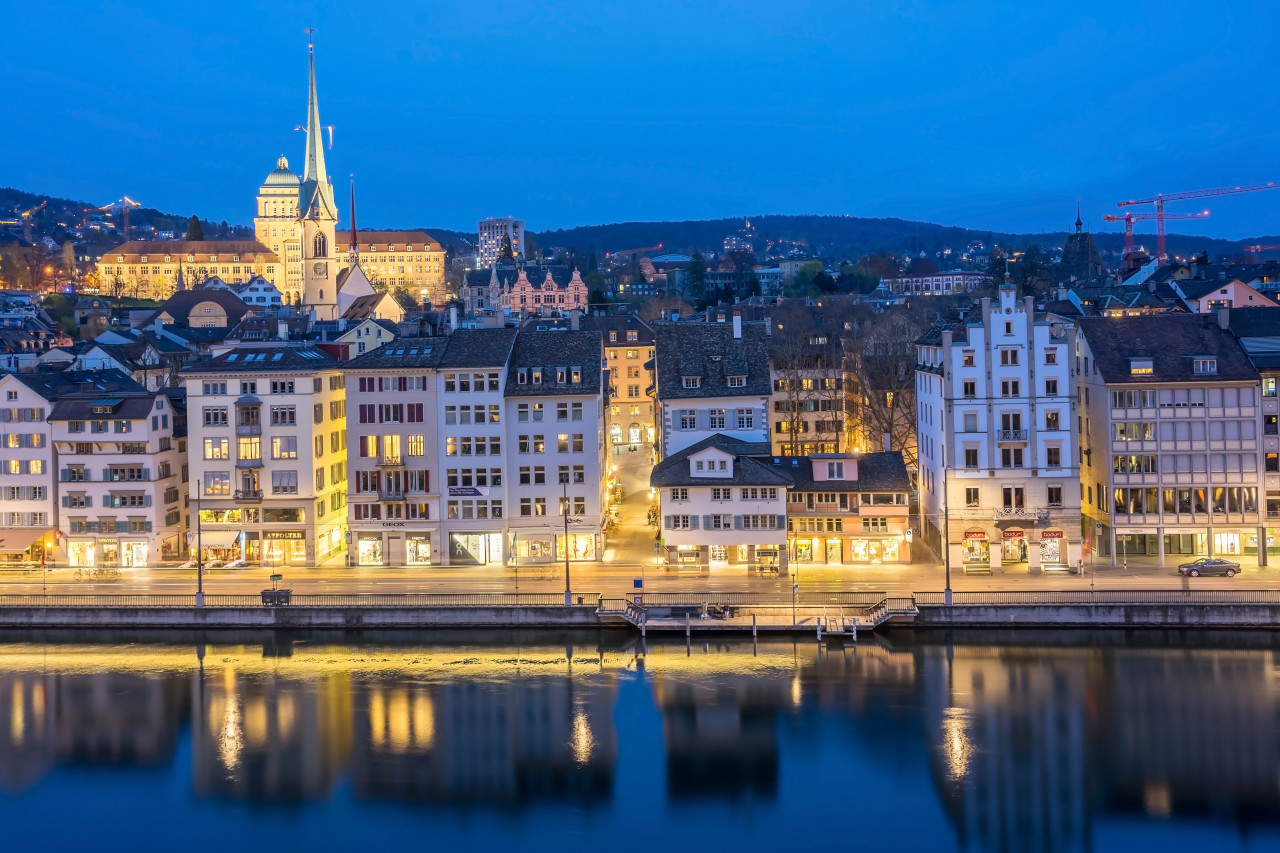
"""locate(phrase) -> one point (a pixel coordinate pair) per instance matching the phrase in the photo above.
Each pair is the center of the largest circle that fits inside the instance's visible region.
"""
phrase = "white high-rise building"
(493, 233)
(997, 437)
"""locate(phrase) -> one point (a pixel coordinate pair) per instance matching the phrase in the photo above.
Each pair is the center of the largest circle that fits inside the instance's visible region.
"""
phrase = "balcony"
(249, 463)
(248, 495)
(1011, 435)
(385, 494)
(389, 462)
(1019, 513)
(248, 429)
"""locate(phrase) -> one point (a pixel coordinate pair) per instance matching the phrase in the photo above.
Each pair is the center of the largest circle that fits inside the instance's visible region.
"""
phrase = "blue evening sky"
(990, 115)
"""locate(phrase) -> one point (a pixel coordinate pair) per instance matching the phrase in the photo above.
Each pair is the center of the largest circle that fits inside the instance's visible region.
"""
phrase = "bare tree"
(807, 362)
(882, 362)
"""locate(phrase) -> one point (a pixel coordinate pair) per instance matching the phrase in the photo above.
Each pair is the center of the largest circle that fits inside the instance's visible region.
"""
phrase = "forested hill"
(841, 236)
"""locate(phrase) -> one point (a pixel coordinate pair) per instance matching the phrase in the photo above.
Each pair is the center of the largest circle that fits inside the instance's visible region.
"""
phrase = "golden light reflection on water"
(17, 714)
(956, 745)
(582, 740)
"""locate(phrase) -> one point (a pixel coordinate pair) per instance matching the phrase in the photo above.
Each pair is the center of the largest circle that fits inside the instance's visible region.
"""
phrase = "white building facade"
(997, 434)
(268, 460)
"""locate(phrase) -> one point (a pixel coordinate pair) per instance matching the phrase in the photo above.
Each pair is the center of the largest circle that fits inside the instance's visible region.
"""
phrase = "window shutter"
(146, 500)
(65, 475)
(667, 523)
(66, 501)
(782, 522)
(106, 475)
(693, 522)
(706, 522)
(146, 473)
(88, 500)
(737, 522)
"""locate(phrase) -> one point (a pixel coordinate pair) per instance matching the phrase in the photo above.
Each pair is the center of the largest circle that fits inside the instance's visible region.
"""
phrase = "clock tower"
(319, 217)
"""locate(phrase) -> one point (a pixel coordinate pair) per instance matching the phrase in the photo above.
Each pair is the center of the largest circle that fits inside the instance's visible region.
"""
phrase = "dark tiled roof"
(747, 471)
(181, 304)
(420, 240)
(553, 351)
(933, 336)
(403, 354)
(1254, 322)
(80, 407)
(710, 352)
(508, 276)
(1171, 341)
(479, 348)
(51, 386)
(620, 324)
(877, 472)
(248, 250)
(270, 359)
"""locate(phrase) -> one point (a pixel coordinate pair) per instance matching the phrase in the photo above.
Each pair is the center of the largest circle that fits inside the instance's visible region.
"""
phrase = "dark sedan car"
(1209, 566)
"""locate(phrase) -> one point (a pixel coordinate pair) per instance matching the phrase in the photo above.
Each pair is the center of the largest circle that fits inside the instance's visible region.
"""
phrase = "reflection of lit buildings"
(1191, 731)
(722, 736)
(1007, 736)
(501, 741)
(268, 738)
(27, 750)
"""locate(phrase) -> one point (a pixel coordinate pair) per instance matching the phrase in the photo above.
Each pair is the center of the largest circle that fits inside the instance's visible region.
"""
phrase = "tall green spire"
(316, 190)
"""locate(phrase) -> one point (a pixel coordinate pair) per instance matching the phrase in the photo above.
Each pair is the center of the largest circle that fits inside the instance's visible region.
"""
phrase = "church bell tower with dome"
(277, 226)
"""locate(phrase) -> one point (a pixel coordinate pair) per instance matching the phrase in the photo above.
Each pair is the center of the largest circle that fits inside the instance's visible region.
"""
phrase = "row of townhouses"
(1051, 441)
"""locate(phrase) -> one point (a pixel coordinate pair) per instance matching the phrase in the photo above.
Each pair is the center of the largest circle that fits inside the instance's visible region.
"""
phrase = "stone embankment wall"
(1100, 615)
(299, 617)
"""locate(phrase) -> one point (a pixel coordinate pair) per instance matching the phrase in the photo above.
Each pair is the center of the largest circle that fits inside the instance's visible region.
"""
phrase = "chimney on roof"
(282, 330)
(573, 319)
(737, 326)
(1224, 318)
(888, 444)
(453, 318)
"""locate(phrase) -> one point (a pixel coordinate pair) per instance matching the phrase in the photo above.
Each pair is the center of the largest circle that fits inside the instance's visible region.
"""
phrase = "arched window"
(320, 246)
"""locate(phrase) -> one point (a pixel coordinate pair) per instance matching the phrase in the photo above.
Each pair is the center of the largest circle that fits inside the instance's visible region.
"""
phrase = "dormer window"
(1204, 366)
(737, 381)
(537, 376)
(143, 259)
(835, 470)
(613, 337)
(1141, 367)
(575, 375)
(692, 382)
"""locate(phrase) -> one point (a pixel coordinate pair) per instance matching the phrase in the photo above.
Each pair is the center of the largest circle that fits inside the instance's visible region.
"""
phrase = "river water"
(1001, 742)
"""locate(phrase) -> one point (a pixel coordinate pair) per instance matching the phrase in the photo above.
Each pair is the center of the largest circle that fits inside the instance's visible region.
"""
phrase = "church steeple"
(353, 248)
(1079, 222)
(316, 190)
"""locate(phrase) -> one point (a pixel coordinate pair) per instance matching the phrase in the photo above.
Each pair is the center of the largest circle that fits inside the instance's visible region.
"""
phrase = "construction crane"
(24, 218)
(1129, 217)
(1160, 199)
(125, 204)
(633, 251)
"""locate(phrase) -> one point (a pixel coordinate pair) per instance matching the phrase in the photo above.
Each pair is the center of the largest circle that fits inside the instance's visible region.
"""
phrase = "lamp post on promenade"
(564, 510)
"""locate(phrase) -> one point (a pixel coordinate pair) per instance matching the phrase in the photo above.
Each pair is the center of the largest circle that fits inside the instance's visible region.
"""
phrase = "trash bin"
(284, 596)
(268, 597)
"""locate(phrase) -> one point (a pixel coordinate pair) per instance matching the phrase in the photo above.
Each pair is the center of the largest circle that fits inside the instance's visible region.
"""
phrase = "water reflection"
(1024, 747)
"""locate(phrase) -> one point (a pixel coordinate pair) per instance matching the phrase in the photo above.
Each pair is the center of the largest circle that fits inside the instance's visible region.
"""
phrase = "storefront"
(221, 545)
(1053, 548)
(133, 553)
(417, 549)
(1013, 545)
(82, 552)
(24, 546)
(976, 549)
(284, 548)
(369, 550)
(582, 546)
(477, 549)
(884, 550)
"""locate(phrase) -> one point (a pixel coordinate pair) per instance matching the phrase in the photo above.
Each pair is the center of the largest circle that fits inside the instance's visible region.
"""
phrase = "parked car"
(1209, 566)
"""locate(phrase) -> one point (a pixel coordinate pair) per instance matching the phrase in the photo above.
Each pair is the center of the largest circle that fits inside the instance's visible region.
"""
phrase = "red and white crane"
(1129, 217)
(1159, 201)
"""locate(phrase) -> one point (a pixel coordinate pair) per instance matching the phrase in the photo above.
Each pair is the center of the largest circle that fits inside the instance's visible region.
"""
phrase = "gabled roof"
(709, 352)
(877, 472)
(248, 250)
(180, 305)
(81, 406)
(1171, 341)
(378, 241)
(620, 323)
(51, 386)
(553, 351)
(747, 471)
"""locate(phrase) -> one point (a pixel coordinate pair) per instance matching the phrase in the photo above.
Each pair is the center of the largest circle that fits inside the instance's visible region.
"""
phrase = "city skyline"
(436, 134)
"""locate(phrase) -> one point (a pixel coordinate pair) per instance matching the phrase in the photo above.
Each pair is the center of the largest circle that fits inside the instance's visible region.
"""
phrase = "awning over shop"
(218, 538)
(17, 541)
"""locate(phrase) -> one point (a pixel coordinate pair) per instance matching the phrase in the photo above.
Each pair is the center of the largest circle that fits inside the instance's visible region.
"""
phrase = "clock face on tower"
(319, 268)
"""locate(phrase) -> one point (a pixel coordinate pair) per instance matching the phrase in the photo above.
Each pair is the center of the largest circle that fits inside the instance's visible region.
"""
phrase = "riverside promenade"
(811, 613)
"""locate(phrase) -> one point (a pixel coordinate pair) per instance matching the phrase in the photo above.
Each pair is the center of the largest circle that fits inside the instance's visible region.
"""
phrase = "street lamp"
(564, 510)
(946, 537)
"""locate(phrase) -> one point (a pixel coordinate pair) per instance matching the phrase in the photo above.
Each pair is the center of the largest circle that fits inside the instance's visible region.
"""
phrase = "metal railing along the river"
(1111, 596)
(479, 599)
